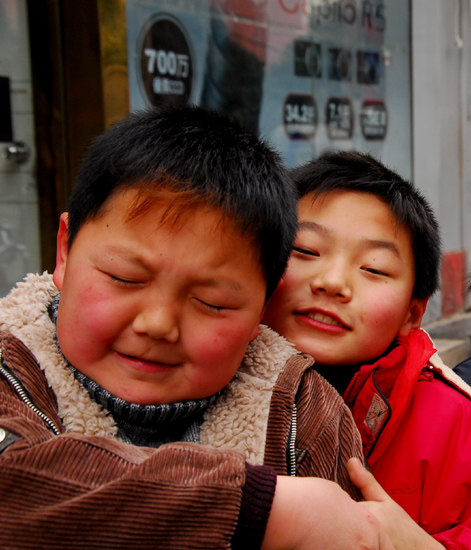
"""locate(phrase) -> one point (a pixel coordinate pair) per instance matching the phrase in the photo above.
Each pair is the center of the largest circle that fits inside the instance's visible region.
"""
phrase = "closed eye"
(212, 307)
(375, 271)
(305, 251)
(123, 282)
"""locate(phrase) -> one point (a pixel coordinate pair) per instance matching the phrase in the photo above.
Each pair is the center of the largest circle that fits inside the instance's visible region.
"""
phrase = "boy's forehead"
(173, 216)
(173, 210)
(315, 201)
(168, 206)
(311, 204)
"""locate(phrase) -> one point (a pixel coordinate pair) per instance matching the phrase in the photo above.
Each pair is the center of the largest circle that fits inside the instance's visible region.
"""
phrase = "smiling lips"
(146, 365)
(322, 319)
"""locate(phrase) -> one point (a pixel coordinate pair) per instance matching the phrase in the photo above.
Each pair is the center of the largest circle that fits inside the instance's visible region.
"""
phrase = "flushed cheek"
(222, 345)
(384, 319)
(220, 352)
(95, 328)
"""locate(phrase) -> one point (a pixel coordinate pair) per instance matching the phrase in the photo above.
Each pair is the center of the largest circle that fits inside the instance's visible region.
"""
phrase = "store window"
(308, 74)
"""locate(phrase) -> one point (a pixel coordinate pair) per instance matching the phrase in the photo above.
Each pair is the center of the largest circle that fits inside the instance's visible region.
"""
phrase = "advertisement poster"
(308, 75)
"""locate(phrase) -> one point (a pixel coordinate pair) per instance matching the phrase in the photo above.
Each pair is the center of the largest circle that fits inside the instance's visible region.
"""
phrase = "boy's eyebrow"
(378, 243)
(217, 283)
(313, 226)
(366, 243)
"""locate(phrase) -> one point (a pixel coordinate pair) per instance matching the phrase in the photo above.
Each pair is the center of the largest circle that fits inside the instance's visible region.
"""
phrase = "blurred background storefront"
(392, 77)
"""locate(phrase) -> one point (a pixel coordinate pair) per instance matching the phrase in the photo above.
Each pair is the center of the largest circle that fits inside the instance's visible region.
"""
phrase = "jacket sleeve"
(458, 538)
(448, 473)
(69, 491)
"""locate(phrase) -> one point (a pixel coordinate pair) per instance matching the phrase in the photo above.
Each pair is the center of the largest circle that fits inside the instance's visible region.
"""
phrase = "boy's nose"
(332, 280)
(160, 322)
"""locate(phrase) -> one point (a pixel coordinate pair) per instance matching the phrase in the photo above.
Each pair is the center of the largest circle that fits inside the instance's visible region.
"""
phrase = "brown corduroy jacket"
(67, 482)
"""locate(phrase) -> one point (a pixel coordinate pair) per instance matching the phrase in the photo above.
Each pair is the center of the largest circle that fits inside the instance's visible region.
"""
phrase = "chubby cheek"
(216, 355)
(93, 319)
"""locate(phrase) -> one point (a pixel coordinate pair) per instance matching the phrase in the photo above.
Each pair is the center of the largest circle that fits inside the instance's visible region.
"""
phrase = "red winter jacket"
(414, 415)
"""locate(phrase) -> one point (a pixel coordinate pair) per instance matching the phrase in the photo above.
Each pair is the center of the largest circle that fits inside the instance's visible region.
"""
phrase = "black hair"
(203, 152)
(361, 172)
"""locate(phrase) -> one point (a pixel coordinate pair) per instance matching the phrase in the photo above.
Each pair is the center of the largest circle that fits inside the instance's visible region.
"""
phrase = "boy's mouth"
(324, 318)
(146, 364)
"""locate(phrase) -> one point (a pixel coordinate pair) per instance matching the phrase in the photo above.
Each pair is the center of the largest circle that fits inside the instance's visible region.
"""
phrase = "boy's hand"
(316, 514)
(404, 532)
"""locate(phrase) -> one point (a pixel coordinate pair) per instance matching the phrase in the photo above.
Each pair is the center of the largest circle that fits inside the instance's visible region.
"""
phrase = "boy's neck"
(339, 376)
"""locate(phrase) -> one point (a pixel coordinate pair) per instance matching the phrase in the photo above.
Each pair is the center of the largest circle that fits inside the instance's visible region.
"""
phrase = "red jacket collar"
(378, 401)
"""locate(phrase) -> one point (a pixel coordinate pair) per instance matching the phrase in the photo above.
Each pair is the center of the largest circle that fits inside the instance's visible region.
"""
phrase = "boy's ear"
(62, 252)
(414, 316)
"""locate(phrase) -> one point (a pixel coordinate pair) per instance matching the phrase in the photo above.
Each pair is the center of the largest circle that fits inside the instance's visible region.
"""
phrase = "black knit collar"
(142, 415)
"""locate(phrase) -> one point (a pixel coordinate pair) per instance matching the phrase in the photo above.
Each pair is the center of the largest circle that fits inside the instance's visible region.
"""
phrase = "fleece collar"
(24, 313)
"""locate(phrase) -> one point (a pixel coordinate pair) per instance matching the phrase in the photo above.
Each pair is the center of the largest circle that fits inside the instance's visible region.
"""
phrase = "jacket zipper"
(20, 390)
(292, 442)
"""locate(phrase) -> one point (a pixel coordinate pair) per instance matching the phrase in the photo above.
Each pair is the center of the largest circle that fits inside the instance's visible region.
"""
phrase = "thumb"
(365, 481)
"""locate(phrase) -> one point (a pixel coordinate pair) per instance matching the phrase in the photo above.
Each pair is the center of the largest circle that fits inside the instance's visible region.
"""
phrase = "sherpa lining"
(449, 374)
(24, 313)
(237, 421)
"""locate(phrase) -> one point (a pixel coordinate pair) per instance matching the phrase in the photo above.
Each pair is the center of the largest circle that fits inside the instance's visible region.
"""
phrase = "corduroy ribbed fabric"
(325, 438)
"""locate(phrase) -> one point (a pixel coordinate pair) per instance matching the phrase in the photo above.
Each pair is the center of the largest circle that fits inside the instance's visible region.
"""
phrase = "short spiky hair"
(355, 171)
(193, 150)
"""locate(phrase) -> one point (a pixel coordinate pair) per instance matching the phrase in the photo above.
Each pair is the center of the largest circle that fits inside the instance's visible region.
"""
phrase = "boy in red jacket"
(365, 261)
